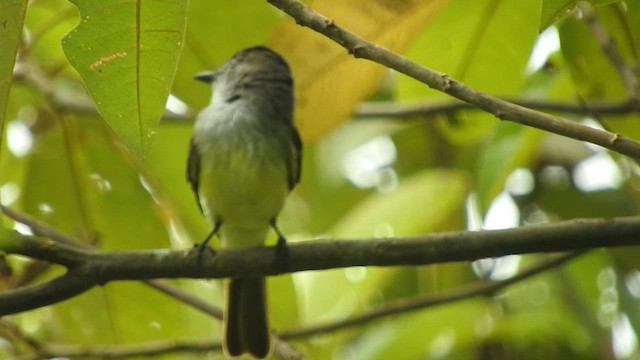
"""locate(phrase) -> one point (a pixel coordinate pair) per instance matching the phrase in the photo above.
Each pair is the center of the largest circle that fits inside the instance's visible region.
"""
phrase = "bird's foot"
(281, 260)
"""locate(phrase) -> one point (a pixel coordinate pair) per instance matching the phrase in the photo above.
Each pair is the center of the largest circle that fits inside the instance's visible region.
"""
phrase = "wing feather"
(193, 170)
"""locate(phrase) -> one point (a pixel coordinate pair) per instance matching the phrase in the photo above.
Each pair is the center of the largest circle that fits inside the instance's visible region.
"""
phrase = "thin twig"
(425, 109)
(128, 351)
(9, 330)
(81, 103)
(403, 306)
(42, 229)
(186, 298)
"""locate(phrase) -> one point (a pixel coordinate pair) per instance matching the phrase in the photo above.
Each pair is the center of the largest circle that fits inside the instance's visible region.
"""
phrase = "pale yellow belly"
(245, 189)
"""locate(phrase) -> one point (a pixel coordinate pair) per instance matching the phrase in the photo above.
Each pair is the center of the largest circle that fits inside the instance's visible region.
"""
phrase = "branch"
(88, 267)
(425, 109)
(485, 288)
(127, 351)
(12, 333)
(403, 306)
(502, 109)
(152, 348)
(186, 298)
(43, 294)
(37, 78)
(281, 348)
(79, 102)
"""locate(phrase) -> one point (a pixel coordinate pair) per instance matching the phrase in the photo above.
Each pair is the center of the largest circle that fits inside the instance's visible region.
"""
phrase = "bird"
(244, 160)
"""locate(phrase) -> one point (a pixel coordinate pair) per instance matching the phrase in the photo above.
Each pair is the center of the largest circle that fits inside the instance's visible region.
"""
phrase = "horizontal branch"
(399, 110)
(502, 109)
(63, 289)
(81, 103)
(120, 351)
(94, 267)
(395, 307)
(282, 350)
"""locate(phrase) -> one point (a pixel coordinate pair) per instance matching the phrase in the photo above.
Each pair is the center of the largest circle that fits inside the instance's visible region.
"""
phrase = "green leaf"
(510, 146)
(420, 334)
(474, 41)
(11, 18)
(592, 72)
(556, 10)
(421, 204)
(126, 52)
(483, 51)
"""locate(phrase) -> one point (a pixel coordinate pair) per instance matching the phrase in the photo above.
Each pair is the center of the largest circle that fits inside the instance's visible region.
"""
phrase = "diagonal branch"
(154, 348)
(502, 109)
(46, 293)
(402, 306)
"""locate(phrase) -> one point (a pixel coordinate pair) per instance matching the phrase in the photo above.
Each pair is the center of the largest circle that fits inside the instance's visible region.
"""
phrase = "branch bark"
(87, 268)
(424, 109)
(34, 77)
(282, 348)
(502, 109)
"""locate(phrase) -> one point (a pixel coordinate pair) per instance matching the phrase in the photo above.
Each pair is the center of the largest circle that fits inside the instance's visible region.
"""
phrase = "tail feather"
(245, 323)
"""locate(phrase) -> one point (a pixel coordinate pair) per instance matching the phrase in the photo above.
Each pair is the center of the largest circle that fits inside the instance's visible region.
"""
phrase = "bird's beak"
(206, 76)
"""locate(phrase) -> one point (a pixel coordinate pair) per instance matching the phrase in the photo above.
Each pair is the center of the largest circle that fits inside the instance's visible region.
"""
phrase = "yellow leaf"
(329, 81)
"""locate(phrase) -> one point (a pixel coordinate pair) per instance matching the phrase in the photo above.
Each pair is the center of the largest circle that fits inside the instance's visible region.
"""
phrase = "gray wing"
(295, 162)
(193, 170)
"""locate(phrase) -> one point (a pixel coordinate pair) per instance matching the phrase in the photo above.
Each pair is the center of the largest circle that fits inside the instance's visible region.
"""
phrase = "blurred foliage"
(112, 174)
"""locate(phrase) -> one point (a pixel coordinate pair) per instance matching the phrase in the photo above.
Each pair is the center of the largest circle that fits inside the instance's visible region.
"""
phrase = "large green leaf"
(592, 72)
(11, 18)
(78, 181)
(509, 147)
(421, 334)
(422, 203)
(556, 10)
(475, 42)
(126, 52)
(594, 75)
(325, 71)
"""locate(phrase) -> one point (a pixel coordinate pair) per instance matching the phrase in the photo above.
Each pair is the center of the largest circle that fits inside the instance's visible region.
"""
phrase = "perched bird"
(244, 159)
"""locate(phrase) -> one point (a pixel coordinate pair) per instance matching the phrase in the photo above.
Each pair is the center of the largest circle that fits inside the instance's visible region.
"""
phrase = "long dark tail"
(245, 323)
